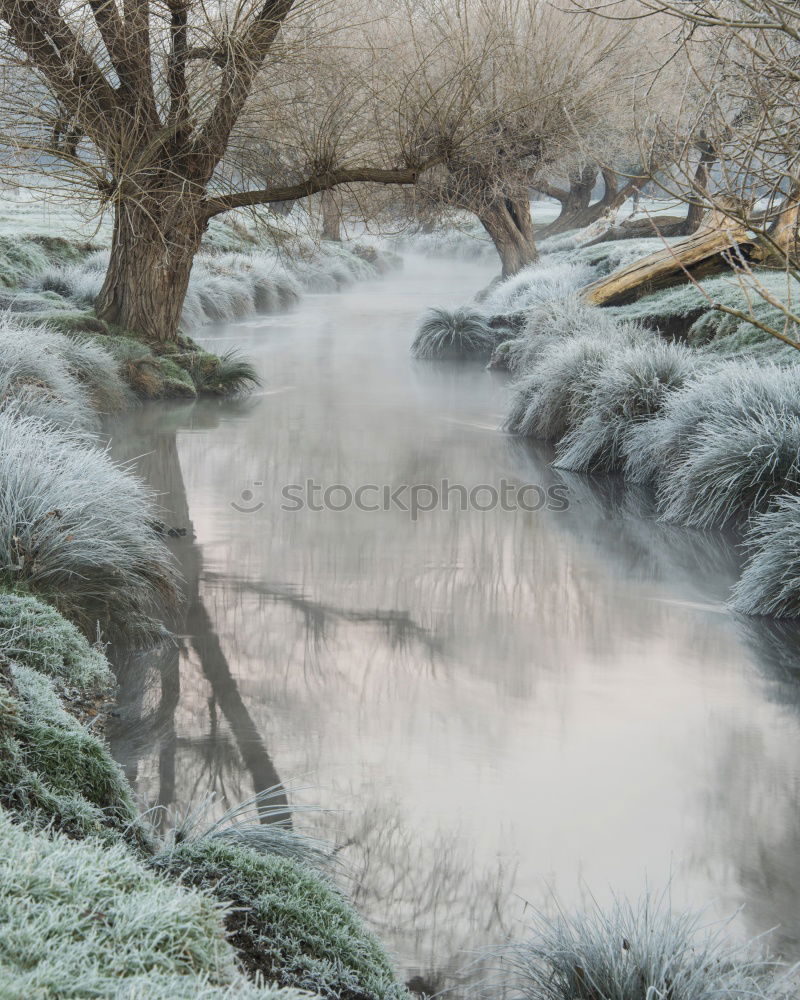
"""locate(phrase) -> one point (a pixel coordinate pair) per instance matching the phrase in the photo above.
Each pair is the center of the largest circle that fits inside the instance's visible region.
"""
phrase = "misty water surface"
(493, 705)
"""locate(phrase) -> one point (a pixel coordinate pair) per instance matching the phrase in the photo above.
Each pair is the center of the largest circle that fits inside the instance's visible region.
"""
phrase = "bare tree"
(141, 101)
(736, 155)
(531, 81)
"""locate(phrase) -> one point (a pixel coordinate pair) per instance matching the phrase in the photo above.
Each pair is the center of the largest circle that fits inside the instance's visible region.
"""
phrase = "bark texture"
(702, 254)
(508, 222)
(153, 246)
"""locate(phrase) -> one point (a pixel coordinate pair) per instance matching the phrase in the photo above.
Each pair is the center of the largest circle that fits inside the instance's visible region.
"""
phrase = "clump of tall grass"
(225, 374)
(95, 368)
(558, 361)
(58, 378)
(565, 318)
(76, 529)
(553, 395)
(631, 388)
(637, 951)
(262, 823)
(541, 284)
(461, 333)
(734, 471)
(725, 392)
(770, 583)
(20, 260)
(36, 381)
(79, 282)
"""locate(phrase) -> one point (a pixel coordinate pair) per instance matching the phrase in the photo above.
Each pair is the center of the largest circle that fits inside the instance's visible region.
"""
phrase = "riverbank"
(248, 265)
(671, 392)
(370, 411)
(98, 897)
(96, 902)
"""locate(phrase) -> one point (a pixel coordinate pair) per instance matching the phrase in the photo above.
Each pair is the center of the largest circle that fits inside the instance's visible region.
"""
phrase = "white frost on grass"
(81, 919)
(770, 583)
(637, 950)
(77, 529)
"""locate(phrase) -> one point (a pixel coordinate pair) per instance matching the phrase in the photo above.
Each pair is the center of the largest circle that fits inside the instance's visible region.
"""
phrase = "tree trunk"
(697, 207)
(574, 201)
(154, 243)
(508, 222)
(700, 255)
(331, 217)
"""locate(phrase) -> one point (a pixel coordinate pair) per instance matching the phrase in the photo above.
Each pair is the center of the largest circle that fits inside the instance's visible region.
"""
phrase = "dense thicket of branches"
(734, 141)
(173, 112)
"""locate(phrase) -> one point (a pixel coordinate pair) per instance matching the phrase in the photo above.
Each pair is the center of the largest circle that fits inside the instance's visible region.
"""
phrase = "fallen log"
(643, 229)
(702, 254)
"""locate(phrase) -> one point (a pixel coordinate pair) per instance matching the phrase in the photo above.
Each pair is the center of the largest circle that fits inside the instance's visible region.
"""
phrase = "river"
(489, 705)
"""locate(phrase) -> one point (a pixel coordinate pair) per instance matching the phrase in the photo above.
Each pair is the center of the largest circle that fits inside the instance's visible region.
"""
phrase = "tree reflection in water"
(212, 763)
(431, 899)
(197, 716)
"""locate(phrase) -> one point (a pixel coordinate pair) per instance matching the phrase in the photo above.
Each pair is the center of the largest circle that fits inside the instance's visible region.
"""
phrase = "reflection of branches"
(206, 644)
(161, 468)
(775, 645)
(400, 628)
(422, 890)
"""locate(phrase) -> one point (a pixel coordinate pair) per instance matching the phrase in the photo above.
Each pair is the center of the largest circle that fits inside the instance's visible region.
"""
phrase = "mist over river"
(488, 705)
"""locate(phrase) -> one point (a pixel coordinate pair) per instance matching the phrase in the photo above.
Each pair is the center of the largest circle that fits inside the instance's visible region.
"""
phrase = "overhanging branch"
(313, 185)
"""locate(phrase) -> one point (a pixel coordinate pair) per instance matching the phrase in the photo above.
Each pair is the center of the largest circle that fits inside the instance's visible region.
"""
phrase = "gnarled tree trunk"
(154, 242)
(574, 200)
(508, 222)
(577, 210)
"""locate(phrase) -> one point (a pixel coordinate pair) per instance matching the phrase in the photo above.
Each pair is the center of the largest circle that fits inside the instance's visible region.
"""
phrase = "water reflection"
(492, 704)
(209, 756)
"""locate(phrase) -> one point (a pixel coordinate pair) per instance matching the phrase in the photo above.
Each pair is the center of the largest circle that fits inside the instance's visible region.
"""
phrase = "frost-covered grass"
(724, 445)
(558, 359)
(37, 383)
(287, 923)
(111, 911)
(64, 380)
(77, 529)
(554, 393)
(535, 286)
(35, 635)
(262, 823)
(770, 583)
(53, 772)
(721, 392)
(734, 472)
(248, 264)
(637, 951)
(80, 919)
(714, 330)
(628, 391)
(460, 333)
(231, 285)
(713, 423)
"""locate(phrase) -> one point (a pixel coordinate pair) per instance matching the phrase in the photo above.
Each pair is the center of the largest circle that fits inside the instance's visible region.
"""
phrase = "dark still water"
(492, 705)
